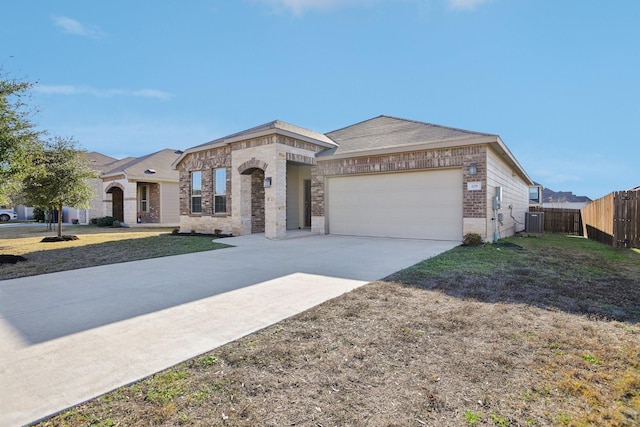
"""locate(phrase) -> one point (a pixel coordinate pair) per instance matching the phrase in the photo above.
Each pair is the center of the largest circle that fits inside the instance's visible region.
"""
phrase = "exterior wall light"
(473, 168)
(267, 182)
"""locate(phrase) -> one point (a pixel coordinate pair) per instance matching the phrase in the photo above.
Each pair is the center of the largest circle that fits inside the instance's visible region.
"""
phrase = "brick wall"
(153, 215)
(204, 161)
(257, 201)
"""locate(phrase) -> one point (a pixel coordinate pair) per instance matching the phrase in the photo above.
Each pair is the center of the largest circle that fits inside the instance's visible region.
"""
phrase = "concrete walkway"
(68, 337)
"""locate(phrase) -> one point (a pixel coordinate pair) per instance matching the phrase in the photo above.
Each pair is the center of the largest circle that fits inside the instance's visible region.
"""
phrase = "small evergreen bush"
(105, 221)
(38, 214)
(472, 239)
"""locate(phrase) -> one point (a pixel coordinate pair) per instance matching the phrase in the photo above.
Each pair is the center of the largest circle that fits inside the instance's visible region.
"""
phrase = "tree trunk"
(60, 220)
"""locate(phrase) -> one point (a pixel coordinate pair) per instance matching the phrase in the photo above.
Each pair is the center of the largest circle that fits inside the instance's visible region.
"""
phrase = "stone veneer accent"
(275, 139)
(252, 164)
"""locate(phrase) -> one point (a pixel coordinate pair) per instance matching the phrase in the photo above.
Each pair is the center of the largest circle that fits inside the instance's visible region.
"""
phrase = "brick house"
(142, 189)
(385, 177)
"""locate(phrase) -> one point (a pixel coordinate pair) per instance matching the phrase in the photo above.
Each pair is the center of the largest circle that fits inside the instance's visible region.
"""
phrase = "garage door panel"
(425, 205)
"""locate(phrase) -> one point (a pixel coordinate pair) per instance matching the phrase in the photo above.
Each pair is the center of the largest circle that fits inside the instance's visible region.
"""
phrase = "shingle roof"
(386, 131)
(276, 124)
(98, 159)
(141, 167)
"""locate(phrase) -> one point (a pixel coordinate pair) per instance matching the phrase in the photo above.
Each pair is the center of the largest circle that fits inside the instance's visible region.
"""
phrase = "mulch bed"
(11, 259)
(59, 239)
(212, 236)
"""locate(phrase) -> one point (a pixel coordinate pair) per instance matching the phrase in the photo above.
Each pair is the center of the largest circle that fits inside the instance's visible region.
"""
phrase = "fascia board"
(115, 174)
(504, 151)
(153, 181)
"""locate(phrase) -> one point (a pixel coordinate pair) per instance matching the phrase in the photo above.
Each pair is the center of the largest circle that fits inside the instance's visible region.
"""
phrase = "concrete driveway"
(70, 336)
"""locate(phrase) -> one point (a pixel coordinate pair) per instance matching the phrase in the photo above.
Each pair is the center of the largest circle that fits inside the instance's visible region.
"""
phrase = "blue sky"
(559, 81)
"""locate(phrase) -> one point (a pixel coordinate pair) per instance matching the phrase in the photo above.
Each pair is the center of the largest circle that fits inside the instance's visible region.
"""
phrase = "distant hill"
(550, 196)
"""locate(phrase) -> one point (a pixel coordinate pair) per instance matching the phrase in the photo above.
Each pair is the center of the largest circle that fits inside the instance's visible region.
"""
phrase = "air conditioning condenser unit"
(534, 222)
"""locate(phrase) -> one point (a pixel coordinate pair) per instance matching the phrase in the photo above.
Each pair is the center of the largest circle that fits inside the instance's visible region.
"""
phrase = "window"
(220, 193)
(196, 192)
(535, 194)
(144, 198)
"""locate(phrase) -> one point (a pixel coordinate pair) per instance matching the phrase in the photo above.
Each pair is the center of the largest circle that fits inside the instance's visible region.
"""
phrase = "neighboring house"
(141, 190)
(98, 163)
(386, 177)
(535, 195)
(132, 190)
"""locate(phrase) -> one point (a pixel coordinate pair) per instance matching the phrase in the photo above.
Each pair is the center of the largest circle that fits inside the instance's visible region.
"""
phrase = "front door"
(117, 198)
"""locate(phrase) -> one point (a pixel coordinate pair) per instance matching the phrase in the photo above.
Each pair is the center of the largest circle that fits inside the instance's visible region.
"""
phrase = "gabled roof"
(96, 159)
(387, 135)
(388, 132)
(152, 167)
(277, 126)
(379, 135)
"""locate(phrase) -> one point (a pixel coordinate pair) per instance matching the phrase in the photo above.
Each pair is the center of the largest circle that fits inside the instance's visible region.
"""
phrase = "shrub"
(38, 214)
(472, 239)
(105, 221)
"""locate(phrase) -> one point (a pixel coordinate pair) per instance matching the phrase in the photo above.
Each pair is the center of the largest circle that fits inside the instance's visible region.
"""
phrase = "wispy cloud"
(299, 7)
(101, 93)
(71, 26)
(466, 4)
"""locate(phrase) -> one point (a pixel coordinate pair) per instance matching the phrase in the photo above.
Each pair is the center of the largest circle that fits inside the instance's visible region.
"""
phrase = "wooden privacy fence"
(614, 219)
(560, 220)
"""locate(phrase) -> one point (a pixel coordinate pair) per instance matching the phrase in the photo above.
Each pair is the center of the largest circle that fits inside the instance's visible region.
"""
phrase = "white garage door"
(416, 205)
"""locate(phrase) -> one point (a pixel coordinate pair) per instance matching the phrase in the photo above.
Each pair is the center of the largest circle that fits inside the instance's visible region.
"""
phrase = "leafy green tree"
(19, 140)
(60, 177)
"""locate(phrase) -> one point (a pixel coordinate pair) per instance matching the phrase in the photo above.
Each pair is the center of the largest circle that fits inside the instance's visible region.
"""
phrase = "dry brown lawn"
(95, 246)
(543, 333)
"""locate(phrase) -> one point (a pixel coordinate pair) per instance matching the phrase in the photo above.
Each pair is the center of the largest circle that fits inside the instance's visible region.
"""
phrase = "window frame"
(538, 196)
(193, 196)
(219, 195)
(143, 197)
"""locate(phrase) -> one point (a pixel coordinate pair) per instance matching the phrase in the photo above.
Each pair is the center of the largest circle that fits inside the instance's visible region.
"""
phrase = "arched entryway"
(257, 200)
(117, 203)
(253, 194)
